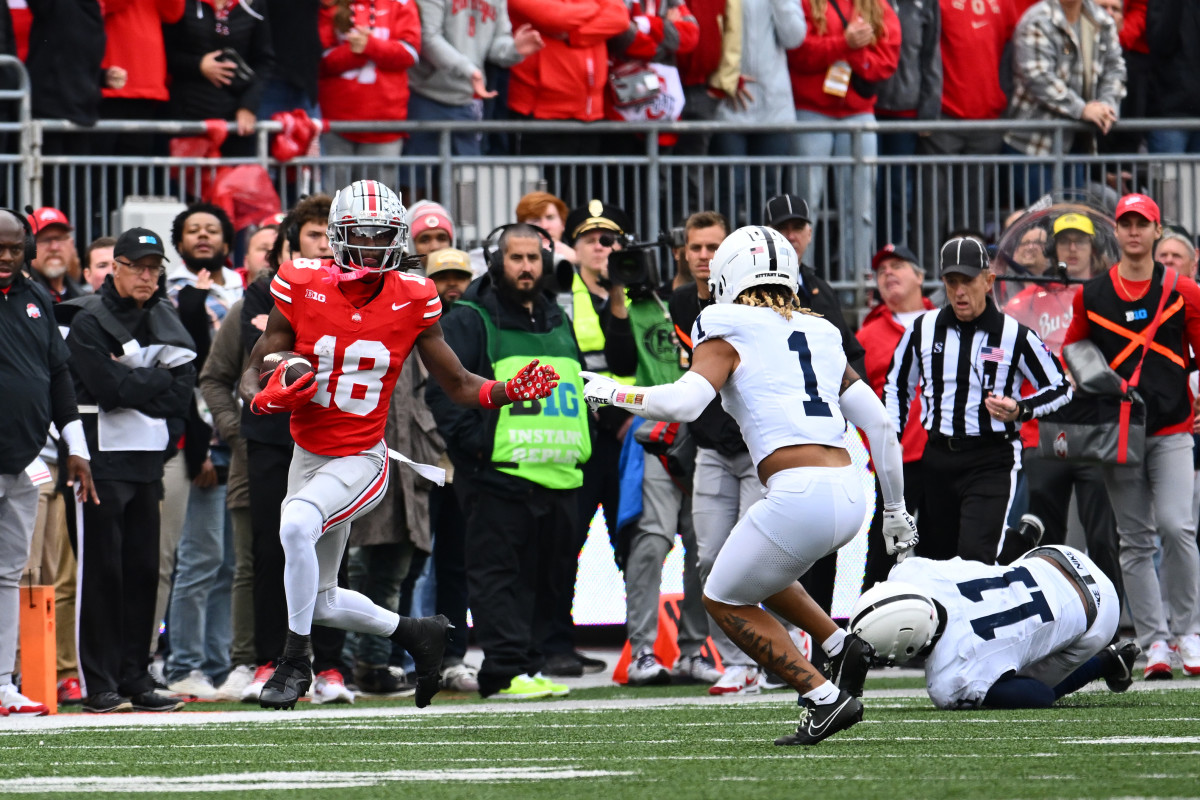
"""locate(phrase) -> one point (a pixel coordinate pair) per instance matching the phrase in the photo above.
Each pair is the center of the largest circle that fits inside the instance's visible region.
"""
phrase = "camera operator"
(638, 329)
(593, 230)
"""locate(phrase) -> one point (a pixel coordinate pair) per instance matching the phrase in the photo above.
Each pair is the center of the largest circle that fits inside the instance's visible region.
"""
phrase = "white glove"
(598, 390)
(899, 533)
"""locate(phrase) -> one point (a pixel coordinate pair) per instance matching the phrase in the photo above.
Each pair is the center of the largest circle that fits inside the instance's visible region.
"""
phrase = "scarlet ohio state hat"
(46, 216)
(1138, 204)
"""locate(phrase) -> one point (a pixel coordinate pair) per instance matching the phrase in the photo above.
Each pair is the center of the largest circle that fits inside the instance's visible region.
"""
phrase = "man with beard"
(450, 271)
(56, 266)
(517, 473)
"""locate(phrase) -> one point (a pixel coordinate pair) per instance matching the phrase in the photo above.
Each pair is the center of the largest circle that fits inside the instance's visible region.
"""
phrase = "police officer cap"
(596, 215)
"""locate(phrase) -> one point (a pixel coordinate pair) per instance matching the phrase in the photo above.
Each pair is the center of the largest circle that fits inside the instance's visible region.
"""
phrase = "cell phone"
(242, 70)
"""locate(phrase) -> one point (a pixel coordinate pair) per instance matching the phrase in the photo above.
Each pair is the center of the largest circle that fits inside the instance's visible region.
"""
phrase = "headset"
(30, 236)
(495, 259)
(292, 234)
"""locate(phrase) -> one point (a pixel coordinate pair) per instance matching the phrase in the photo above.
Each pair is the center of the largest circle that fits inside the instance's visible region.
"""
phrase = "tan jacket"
(403, 515)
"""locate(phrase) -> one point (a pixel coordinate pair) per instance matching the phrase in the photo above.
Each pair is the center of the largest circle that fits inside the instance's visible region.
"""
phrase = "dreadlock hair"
(869, 10)
(779, 299)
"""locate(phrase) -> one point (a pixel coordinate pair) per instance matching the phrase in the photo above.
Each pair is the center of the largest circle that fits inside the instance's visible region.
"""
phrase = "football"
(297, 367)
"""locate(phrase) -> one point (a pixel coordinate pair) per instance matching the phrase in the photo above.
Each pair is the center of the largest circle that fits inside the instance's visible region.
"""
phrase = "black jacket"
(66, 46)
(102, 380)
(467, 431)
(1172, 31)
(71, 289)
(296, 42)
(195, 34)
(34, 373)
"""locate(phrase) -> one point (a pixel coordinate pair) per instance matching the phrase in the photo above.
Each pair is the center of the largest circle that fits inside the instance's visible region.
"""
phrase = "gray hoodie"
(457, 37)
(916, 86)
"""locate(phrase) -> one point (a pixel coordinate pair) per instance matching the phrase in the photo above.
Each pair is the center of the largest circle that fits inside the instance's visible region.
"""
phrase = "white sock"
(824, 694)
(833, 645)
(299, 528)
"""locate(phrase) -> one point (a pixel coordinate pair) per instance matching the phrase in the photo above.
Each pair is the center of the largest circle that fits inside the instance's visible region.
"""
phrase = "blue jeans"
(1173, 141)
(280, 95)
(849, 182)
(742, 204)
(894, 192)
(426, 144)
(201, 629)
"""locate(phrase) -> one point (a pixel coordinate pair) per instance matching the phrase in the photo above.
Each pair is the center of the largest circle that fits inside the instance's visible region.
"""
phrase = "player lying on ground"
(782, 374)
(1015, 636)
(355, 318)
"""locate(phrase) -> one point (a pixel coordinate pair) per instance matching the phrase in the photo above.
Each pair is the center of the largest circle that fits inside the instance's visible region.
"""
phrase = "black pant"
(268, 467)
(118, 558)
(601, 486)
(513, 544)
(450, 566)
(967, 512)
(1050, 483)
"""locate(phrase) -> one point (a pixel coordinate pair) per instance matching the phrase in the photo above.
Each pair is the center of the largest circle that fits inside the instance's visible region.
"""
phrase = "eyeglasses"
(1073, 239)
(152, 272)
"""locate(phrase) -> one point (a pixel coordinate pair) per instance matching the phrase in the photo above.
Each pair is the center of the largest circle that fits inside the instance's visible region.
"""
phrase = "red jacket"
(565, 80)
(973, 40)
(135, 42)
(697, 64)
(808, 63)
(372, 85)
(1133, 30)
(879, 336)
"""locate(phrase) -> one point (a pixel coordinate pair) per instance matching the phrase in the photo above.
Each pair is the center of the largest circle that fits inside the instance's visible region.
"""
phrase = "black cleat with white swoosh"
(821, 722)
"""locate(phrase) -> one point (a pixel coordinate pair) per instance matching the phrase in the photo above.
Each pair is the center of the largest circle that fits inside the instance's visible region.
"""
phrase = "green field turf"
(612, 742)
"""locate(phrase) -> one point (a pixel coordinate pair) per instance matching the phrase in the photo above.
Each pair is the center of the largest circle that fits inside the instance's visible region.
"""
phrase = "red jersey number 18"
(356, 385)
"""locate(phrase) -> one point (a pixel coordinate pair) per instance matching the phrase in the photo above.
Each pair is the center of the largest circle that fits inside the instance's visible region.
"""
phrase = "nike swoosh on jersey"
(977, 24)
(398, 307)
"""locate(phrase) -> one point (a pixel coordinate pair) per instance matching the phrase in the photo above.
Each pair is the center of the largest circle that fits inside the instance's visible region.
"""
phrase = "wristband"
(72, 434)
(485, 395)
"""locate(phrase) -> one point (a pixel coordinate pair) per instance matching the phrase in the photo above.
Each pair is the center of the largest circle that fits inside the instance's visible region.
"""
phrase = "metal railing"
(923, 196)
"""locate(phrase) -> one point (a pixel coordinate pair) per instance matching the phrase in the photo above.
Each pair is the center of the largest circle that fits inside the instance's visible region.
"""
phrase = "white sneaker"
(235, 683)
(196, 685)
(695, 669)
(329, 687)
(644, 670)
(17, 704)
(1188, 650)
(255, 686)
(738, 679)
(1158, 662)
(460, 678)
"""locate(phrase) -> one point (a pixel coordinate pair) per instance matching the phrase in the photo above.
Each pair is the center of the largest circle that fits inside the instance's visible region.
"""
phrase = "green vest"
(543, 441)
(588, 332)
(657, 347)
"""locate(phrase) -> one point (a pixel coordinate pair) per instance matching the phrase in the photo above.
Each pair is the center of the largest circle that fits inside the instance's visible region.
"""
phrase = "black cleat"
(1117, 660)
(153, 701)
(563, 665)
(821, 722)
(290, 682)
(849, 668)
(425, 640)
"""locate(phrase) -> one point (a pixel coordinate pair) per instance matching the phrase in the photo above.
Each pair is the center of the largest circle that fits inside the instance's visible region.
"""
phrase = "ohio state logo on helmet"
(371, 212)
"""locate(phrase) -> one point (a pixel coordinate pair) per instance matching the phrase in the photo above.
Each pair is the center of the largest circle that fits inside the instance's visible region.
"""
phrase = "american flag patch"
(757, 249)
(991, 354)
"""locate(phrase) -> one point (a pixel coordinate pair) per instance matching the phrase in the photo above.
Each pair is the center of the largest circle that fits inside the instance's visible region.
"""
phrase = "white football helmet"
(897, 619)
(753, 256)
(368, 209)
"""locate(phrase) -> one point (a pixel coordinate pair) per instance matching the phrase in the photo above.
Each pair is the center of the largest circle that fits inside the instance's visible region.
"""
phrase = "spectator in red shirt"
(851, 45)
(974, 35)
(369, 47)
(898, 277)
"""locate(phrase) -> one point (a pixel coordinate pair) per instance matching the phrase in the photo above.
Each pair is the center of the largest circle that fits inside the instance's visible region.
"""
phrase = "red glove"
(277, 398)
(531, 382)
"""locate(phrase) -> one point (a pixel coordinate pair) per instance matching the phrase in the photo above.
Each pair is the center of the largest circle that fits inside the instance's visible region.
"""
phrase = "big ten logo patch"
(562, 402)
(311, 295)
(1136, 314)
(660, 342)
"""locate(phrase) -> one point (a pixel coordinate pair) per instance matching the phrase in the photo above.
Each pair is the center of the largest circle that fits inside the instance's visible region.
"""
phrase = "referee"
(969, 359)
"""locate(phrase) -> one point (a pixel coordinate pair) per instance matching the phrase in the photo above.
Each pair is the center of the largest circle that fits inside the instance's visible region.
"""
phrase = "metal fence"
(910, 199)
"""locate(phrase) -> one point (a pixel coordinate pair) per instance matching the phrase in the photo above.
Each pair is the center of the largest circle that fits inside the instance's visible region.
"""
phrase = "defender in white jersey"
(1020, 635)
(782, 375)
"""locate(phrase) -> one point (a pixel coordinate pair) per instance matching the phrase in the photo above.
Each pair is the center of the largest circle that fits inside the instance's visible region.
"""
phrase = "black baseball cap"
(785, 208)
(894, 251)
(965, 255)
(137, 242)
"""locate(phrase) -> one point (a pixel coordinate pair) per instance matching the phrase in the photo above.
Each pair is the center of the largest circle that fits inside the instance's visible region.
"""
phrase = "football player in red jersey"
(355, 317)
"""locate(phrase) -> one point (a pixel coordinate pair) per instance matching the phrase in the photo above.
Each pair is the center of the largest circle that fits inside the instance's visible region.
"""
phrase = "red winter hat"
(427, 216)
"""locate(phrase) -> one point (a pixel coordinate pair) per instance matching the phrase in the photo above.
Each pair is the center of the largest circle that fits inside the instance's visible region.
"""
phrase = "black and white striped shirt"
(957, 364)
